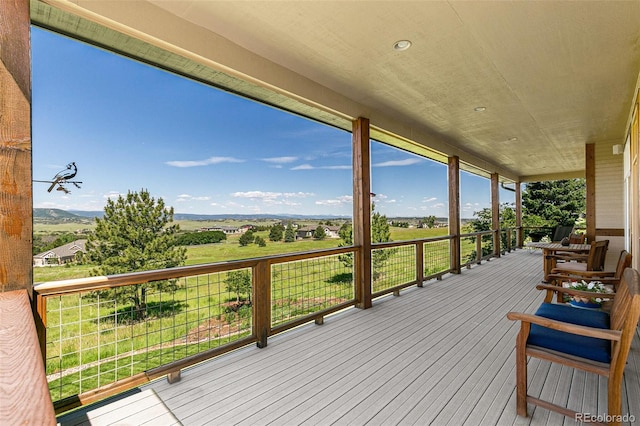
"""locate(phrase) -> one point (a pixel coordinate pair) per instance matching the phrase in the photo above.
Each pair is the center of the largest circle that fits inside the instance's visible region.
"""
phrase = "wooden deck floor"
(442, 354)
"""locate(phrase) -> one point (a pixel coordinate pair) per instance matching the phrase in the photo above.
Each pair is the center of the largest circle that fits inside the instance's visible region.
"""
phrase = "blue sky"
(129, 126)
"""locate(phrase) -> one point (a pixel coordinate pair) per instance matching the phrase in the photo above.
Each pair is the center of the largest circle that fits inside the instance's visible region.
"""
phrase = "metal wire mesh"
(301, 287)
(96, 338)
(392, 266)
(437, 257)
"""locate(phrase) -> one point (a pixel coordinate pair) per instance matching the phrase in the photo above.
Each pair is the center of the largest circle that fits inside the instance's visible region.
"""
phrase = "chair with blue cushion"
(593, 341)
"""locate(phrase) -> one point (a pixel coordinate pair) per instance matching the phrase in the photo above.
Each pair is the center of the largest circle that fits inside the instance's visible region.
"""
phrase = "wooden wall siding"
(609, 205)
(609, 187)
(16, 214)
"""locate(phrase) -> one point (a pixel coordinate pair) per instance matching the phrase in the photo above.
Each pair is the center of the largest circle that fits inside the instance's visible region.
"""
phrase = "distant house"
(228, 230)
(60, 255)
(308, 231)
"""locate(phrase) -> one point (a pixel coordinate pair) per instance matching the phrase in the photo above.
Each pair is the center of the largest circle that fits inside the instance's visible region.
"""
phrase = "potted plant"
(594, 302)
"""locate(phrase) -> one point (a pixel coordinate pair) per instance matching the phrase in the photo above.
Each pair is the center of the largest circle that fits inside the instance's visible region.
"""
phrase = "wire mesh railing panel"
(392, 266)
(437, 257)
(468, 249)
(302, 287)
(95, 338)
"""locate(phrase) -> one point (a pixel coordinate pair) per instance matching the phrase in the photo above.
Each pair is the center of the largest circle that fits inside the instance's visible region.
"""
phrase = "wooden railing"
(95, 346)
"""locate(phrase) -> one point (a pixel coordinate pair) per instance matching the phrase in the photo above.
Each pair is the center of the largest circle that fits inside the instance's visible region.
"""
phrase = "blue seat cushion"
(584, 347)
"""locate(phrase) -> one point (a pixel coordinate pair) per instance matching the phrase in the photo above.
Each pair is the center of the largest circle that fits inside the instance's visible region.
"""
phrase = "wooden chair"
(593, 261)
(577, 238)
(593, 341)
(606, 277)
(560, 232)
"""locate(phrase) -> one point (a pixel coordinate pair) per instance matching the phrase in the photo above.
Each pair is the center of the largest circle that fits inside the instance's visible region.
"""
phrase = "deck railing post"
(40, 317)
(479, 249)
(419, 263)
(261, 278)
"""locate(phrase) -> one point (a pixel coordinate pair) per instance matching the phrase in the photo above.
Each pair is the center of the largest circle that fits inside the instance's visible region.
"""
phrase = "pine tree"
(289, 234)
(276, 232)
(554, 203)
(135, 234)
(319, 233)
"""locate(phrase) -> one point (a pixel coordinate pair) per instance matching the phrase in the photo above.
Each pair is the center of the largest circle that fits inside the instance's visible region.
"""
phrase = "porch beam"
(16, 212)
(590, 173)
(362, 211)
(454, 212)
(495, 212)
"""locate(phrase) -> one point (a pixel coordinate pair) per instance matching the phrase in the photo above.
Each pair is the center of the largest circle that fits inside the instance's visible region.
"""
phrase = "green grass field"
(220, 252)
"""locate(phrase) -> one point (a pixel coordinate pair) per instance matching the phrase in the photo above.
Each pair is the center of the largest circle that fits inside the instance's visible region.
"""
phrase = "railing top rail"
(408, 242)
(75, 285)
(473, 234)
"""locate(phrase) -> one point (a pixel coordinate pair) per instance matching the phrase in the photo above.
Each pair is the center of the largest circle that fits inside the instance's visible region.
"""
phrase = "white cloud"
(207, 162)
(428, 200)
(280, 160)
(310, 167)
(113, 195)
(343, 199)
(303, 167)
(395, 163)
(186, 197)
(268, 194)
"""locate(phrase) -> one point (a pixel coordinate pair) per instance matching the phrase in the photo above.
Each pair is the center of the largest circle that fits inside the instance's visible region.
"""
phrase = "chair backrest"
(560, 232)
(625, 314)
(597, 254)
(624, 262)
(577, 238)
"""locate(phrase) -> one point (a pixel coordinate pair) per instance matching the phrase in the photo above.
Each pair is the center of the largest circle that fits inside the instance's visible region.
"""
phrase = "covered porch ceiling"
(552, 76)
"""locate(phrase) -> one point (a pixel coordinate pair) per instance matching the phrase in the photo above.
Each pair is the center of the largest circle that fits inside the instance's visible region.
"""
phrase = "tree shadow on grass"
(152, 310)
(343, 278)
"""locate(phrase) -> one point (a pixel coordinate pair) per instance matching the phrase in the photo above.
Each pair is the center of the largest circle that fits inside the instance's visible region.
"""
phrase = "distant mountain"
(82, 216)
(57, 216)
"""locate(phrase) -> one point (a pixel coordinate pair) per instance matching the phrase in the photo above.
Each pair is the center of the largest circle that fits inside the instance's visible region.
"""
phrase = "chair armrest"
(586, 275)
(598, 333)
(574, 292)
(569, 256)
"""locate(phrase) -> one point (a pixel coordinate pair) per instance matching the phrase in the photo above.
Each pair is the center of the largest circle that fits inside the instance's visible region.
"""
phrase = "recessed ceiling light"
(401, 45)
(480, 109)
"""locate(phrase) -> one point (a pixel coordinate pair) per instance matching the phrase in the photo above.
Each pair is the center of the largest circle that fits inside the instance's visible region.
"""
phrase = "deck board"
(441, 354)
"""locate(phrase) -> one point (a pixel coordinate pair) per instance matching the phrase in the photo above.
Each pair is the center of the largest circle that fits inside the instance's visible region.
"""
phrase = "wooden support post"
(16, 205)
(495, 213)
(454, 212)
(519, 233)
(261, 283)
(590, 172)
(362, 211)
